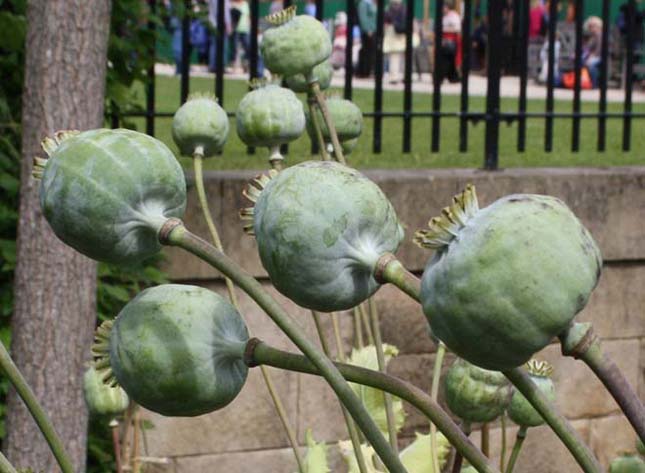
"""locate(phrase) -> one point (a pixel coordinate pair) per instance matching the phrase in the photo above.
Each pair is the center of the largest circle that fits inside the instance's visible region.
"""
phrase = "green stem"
(116, 443)
(322, 146)
(5, 466)
(230, 286)
(322, 104)
(37, 412)
(502, 452)
(519, 440)
(351, 427)
(175, 234)
(485, 439)
(558, 423)
(581, 342)
(258, 352)
(212, 229)
(434, 394)
(358, 330)
(368, 324)
(380, 358)
(391, 270)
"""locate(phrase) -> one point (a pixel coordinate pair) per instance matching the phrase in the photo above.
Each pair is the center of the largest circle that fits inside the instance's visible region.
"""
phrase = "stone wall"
(247, 436)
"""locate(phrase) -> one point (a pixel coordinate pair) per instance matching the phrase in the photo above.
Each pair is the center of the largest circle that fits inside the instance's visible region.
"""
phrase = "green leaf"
(417, 457)
(13, 29)
(315, 460)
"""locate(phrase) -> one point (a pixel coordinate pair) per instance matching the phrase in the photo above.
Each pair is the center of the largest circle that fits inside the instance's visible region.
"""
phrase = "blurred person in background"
(450, 47)
(367, 24)
(212, 19)
(241, 18)
(394, 39)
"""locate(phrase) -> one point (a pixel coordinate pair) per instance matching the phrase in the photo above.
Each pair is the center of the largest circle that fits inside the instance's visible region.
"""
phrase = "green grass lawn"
(235, 157)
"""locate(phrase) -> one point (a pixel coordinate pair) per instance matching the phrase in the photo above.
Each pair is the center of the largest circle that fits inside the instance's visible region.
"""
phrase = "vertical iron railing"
(492, 115)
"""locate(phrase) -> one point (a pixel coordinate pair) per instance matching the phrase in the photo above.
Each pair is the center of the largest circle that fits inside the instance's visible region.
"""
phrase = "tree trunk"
(55, 287)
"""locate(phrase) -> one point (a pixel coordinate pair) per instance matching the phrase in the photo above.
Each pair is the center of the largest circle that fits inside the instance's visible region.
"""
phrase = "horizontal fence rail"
(498, 50)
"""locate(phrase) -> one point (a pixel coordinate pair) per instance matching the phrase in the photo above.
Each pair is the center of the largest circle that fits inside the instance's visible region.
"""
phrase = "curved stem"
(585, 345)
(5, 465)
(261, 353)
(380, 358)
(558, 423)
(322, 147)
(434, 394)
(212, 229)
(175, 234)
(351, 427)
(519, 440)
(391, 270)
(485, 439)
(230, 286)
(502, 452)
(37, 412)
(314, 87)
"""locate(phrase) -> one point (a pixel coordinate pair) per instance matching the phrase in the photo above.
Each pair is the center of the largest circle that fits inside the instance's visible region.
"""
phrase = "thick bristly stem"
(351, 427)
(434, 394)
(37, 412)
(580, 342)
(519, 440)
(260, 353)
(230, 286)
(380, 357)
(175, 234)
(502, 452)
(556, 421)
(391, 270)
(314, 87)
(313, 115)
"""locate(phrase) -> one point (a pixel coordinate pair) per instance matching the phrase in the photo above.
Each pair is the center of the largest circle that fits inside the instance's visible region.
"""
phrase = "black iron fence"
(497, 52)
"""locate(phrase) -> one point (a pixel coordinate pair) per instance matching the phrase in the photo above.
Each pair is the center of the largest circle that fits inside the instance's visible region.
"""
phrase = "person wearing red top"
(536, 19)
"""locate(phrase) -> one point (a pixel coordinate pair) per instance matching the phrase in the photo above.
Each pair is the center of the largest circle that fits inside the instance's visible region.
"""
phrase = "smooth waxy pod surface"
(520, 409)
(506, 279)
(270, 116)
(347, 118)
(176, 350)
(475, 394)
(320, 229)
(628, 463)
(322, 73)
(102, 399)
(294, 44)
(106, 193)
(200, 124)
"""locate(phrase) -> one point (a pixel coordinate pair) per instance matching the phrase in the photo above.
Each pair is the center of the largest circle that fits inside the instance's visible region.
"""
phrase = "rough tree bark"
(55, 287)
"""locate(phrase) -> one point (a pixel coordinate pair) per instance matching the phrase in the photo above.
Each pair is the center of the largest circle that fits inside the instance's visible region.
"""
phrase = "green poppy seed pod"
(520, 409)
(176, 350)
(270, 116)
(629, 463)
(475, 394)
(320, 229)
(106, 193)
(322, 73)
(102, 399)
(294, 44)
(200, 125)
(349, 146)
(506, 279)
(347, 118)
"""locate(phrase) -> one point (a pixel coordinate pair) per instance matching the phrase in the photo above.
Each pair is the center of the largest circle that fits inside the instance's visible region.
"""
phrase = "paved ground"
(510, 86)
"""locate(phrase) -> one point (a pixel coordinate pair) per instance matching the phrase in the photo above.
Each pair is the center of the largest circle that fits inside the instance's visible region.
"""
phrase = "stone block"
(579, 392)
(611, 437)
(278, 460)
